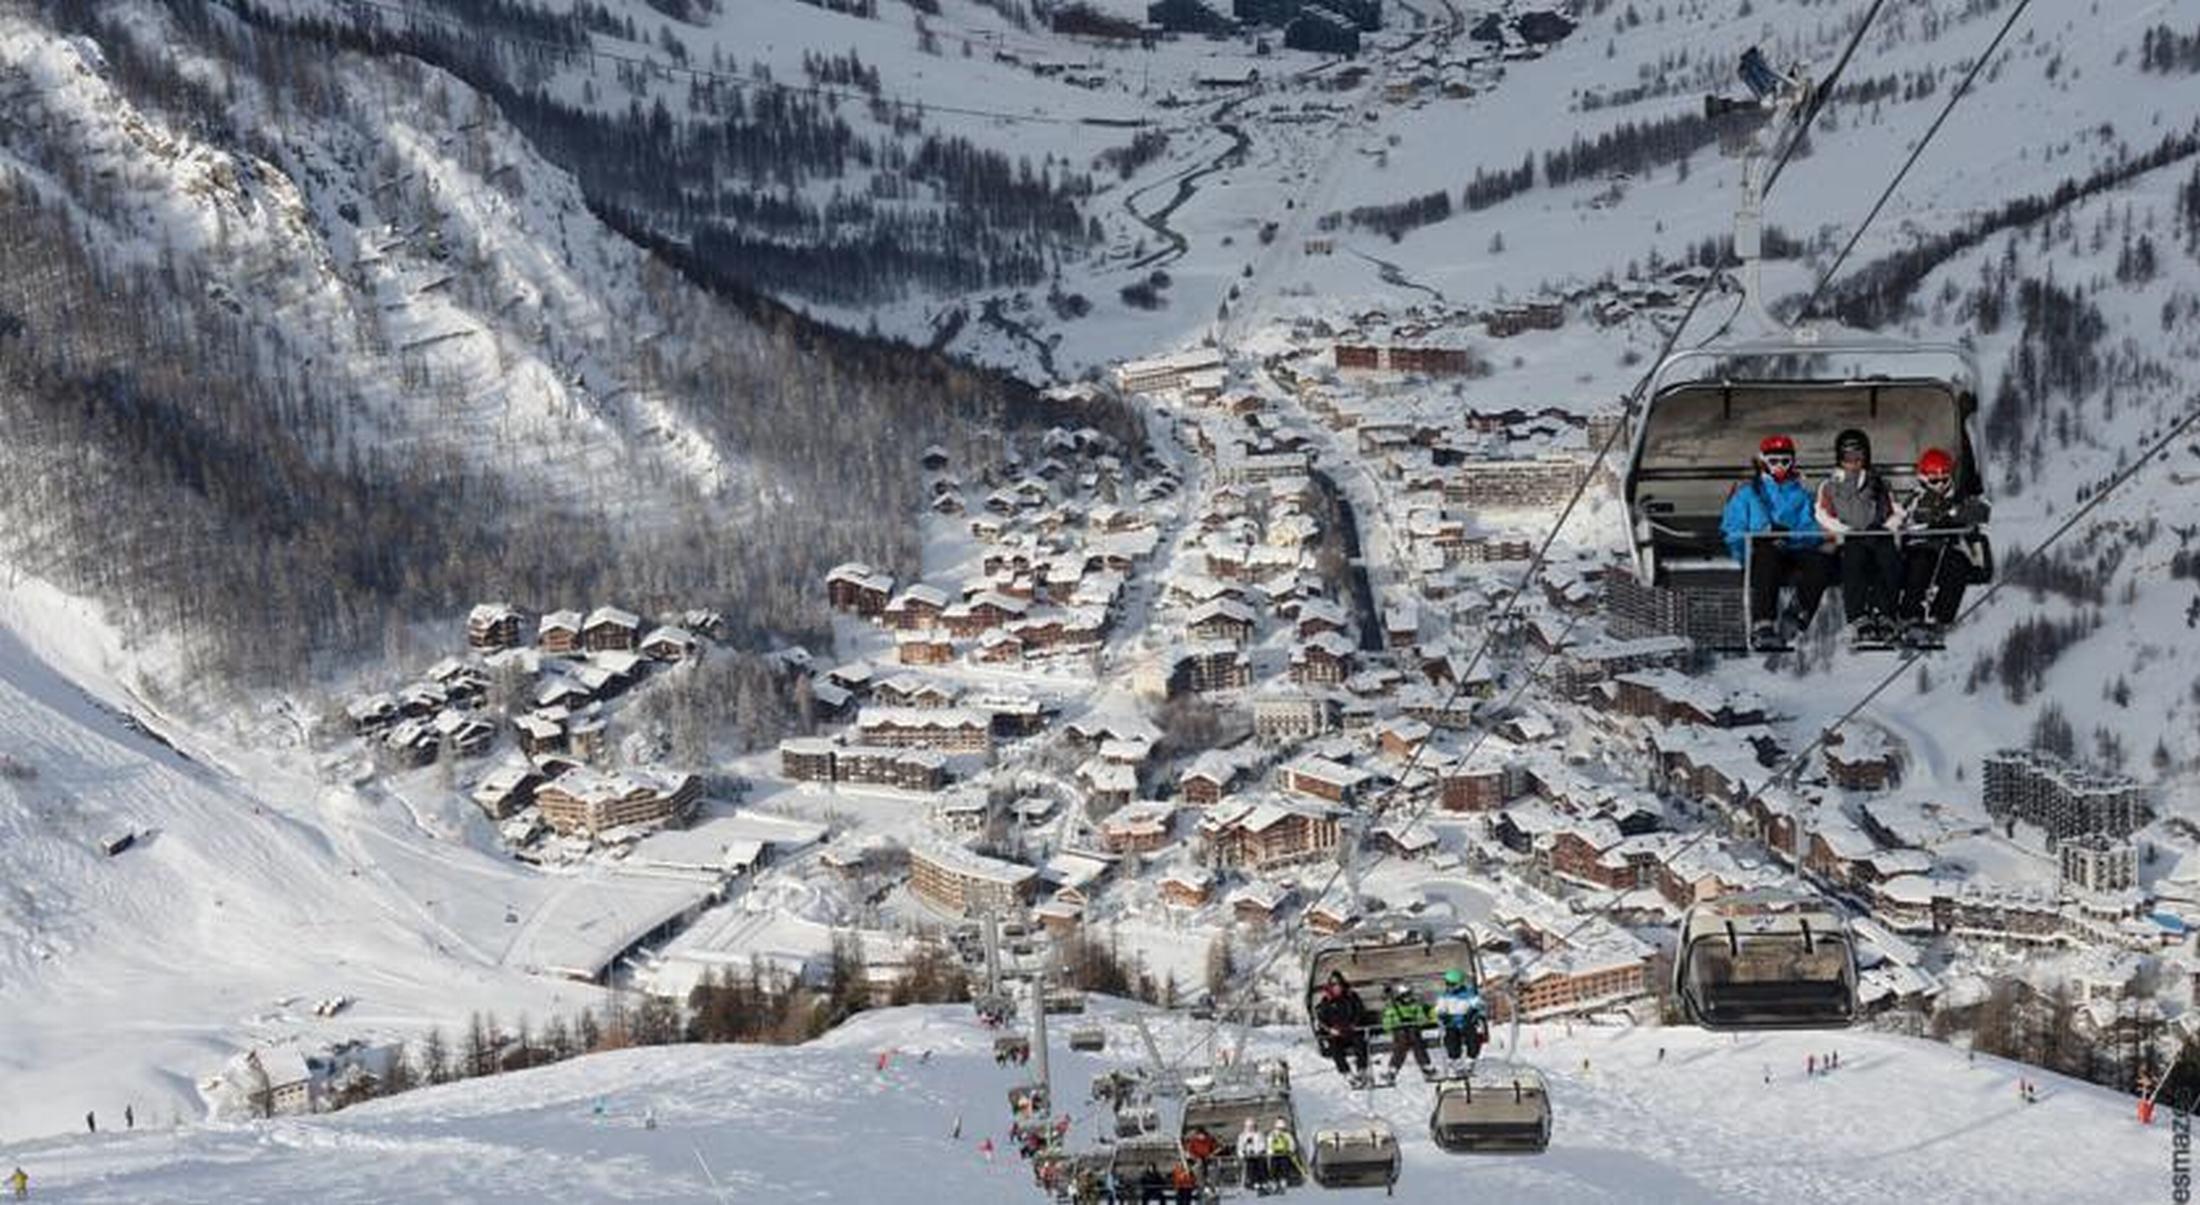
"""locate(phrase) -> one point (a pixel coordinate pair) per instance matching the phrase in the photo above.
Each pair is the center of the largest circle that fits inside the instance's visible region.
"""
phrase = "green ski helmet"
(1454, 977)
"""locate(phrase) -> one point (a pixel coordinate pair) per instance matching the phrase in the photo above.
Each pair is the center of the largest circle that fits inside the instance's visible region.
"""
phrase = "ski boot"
(1765, 638)
(1923, 634)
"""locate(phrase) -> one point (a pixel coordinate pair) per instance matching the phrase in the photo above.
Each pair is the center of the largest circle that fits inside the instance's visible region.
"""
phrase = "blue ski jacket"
(1762, 504)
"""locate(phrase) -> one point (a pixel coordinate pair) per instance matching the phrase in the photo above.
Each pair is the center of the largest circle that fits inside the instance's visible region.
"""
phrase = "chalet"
(903, 769)
(422, 699)
(1475, 786)
(670, 644)
(1401, 625)
(1128, 750)
(584, 800)
(1061, 913)
(279, 1077)
(998, 648)
(1208, 779)
(923, 648)
(1191, 887)
(586, 735)
(1107, 783)
(611, 628)
(856, 676)
(951, 729)
(806, 759)
(1140, 828)
(858, 589)
(1210, 665)
(966, 814)
(933, 459)
(1012, 715)
(462, 733)
(961, 882)
(539, 734)
(949, 503)
(918, 606)
(706, 624)
(1259, 904)
(1270, 833)
(1222, 619)
(1404, 841)
(506, 789)
(1320, 615)
(411, 742)
(1330, 917)
(1325, 660)
(370, 712)
(1579, 981)
(559, 632)
(1862, 759)
(1401, 737)
(987, 609)
(492, 626)
(1670, 697)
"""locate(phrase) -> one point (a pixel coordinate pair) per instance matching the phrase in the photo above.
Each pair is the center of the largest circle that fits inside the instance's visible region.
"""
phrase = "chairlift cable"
(1962, 90)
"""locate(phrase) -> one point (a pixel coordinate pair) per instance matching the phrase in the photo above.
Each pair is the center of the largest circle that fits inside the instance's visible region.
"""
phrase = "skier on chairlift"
(1403, 1019)
(1775, 501)
(1342, 1018)
(1937, 567)
(1857, 507)
(1464, 1016)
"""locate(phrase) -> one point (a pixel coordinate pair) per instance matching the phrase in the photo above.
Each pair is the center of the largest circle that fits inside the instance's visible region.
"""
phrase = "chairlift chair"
(1011, 1045)
(1376, 957)
(1088, 1038)
(1358, 1154)
(1224, 1111)
(1135, 1120)
(1765, 960)
(1504, 1110)
(1134, 1155)
(1709, 407)
(1064, 1000)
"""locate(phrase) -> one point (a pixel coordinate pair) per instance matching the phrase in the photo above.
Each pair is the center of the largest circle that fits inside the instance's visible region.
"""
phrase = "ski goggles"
(1938, 481)
(1778, 460)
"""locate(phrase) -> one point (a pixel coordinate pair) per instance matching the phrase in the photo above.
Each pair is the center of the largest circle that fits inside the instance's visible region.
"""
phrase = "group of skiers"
(1269, 1162)
(1906, 584)
(1459, 1014)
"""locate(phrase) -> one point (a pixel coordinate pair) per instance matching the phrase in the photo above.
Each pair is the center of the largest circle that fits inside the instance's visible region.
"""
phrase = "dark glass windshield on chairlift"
(1361, 1154)
(1765, 962)
(1708, 409)
(1501, 1111)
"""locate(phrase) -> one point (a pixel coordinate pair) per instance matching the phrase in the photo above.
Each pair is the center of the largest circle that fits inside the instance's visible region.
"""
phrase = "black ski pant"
(1354, 1043)
(1937, 569)
(1773, 565)
(1256, 1170)
(1467, 1037)
(1405, 1040)
(1871, 570)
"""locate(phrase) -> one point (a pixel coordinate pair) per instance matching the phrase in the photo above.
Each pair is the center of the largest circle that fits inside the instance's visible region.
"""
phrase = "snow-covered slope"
(1902, 1120)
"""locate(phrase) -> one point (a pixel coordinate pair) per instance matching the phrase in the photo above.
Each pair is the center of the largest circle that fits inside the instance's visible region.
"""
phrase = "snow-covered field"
(1901, 1120)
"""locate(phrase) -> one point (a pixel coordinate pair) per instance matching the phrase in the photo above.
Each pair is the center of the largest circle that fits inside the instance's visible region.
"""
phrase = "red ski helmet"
(1777, 445)
(1935, 463)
